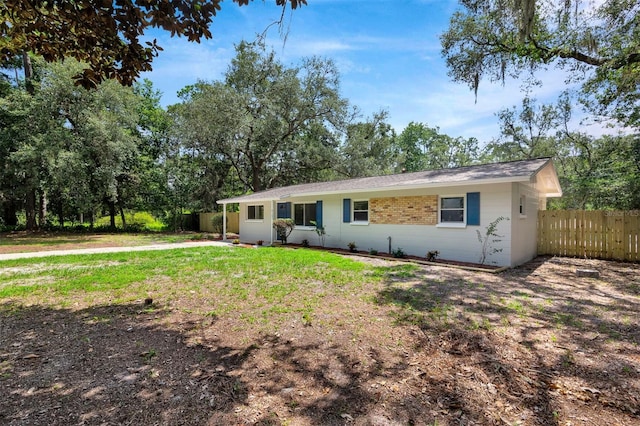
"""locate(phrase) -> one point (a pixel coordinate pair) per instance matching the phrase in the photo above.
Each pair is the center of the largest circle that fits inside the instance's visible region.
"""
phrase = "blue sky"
(387, 51)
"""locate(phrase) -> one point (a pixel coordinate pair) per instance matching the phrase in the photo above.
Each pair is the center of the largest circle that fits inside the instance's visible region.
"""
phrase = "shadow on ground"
(558, 349)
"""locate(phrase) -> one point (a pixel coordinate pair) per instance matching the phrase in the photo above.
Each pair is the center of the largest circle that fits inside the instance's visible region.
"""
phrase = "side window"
(255, 212)
(361, 211)
(452, 209)
(523, 205)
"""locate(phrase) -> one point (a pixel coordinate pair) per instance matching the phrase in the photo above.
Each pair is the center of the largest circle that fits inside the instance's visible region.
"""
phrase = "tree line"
(68, 152)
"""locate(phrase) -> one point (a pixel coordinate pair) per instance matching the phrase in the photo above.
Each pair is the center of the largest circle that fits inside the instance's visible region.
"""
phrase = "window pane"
(361, 205)
(251, 212)
(298, 214)
(361, 216)
(452, 215)
(260, 212)
(452, 203)
(309, 214)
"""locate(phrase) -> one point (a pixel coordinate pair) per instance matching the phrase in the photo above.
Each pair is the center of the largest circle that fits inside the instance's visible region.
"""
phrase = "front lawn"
(229, 335)
(19, 242)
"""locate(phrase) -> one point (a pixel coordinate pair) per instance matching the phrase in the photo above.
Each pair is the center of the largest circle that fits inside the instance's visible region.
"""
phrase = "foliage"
(305, 243)
(489, 238)
(266, 121)
(217, 221)
(598, 45)
(283, 228)
(105, 35)
(235, 241)
(69, 147)
(595, 173)
(352, 246)
(368, 149)
(373, 252)
(321, 231)
(398, 253)
(424, 148)
(140, 220)
(432, 255)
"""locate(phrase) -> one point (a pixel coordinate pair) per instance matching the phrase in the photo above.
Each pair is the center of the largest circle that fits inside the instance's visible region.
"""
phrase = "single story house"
(418, 212)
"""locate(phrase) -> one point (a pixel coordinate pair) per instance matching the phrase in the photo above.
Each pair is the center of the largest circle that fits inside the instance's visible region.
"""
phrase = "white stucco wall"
(253, 230)
(524, 226)
(453, 243)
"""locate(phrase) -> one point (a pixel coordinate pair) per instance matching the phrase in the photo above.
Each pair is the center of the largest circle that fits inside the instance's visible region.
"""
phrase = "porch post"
(224, 222)
(273, 209)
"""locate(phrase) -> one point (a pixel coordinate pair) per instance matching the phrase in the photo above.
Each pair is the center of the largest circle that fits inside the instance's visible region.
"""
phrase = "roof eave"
(509, 179)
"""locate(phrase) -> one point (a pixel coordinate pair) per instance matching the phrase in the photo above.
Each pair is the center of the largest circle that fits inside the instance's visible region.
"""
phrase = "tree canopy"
(106, 35)
(599, 45)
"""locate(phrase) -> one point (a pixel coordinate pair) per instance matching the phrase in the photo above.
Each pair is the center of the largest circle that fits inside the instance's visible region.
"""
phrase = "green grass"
(212, 281)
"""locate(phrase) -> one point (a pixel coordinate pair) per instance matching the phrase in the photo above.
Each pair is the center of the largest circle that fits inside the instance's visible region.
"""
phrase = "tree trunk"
(61, 214)
(9, 215)
(42, 210)
(112, 214)
(124, 221)
(30, 205)
(256, 179)
(30, 209)
(28, 72)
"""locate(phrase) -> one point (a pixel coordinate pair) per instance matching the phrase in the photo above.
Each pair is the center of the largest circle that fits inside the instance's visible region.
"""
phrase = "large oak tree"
(598, 44)
(105, 34)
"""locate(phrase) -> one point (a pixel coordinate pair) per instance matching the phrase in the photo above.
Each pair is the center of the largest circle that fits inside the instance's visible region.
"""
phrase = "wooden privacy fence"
(592, 234)
(233, 222)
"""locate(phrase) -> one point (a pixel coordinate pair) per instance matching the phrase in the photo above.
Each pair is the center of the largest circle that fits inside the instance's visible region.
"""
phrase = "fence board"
(233, 222)
(591, 234)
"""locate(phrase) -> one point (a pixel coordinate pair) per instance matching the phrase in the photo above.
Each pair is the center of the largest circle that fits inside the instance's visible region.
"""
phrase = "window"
(523, 205)
(304, 214)
(361, 211)
(452, 209)
(255, 212)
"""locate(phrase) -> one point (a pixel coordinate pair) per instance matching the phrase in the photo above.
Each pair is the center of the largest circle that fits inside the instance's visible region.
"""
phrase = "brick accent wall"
(413, 210)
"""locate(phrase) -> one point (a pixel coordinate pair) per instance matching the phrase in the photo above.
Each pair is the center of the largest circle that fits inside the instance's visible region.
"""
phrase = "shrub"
(373, 252)
(321, 231)
(432, 255)
(489, 238)
(260, 242)
(398, 253)
(352, 246)
(235, 241)
(216, 223)
(136, 222)
(305, 243)
(283, 228)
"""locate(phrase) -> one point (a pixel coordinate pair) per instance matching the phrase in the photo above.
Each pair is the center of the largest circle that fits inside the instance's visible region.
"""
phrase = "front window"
(452, 209)
(255, 212)
(304, 214)
(361, 211)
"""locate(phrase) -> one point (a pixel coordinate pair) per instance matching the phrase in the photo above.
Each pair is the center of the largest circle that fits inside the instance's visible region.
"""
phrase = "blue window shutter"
(473, 208)
(346, 210)
(319, 213)
(284, 211)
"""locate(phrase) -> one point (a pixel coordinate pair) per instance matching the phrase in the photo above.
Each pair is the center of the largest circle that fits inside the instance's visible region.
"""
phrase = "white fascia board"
(417, 186)
(508, 179)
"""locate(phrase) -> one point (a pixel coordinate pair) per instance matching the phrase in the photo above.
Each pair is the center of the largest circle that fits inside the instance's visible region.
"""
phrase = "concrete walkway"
(167, 246)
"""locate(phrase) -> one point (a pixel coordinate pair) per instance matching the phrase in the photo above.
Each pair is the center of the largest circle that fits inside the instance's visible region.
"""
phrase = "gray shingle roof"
(510, 171)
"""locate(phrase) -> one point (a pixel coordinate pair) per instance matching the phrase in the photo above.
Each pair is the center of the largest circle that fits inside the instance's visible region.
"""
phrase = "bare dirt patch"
(535, 345)
(26, 241)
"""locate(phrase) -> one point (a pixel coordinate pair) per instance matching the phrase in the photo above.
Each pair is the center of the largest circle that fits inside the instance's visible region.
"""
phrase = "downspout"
(273, 209)
(224, 222)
